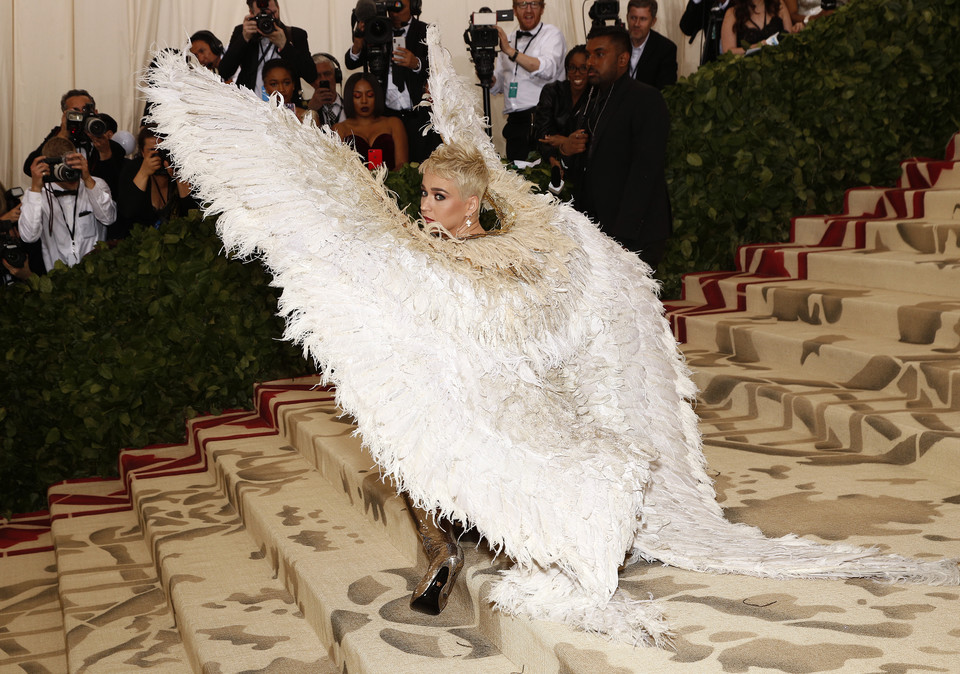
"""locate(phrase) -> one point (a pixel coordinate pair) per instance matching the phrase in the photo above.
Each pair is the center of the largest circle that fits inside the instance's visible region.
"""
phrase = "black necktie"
(524, 33)
(64, 193)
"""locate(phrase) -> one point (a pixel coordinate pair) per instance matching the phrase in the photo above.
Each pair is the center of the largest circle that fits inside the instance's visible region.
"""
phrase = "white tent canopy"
(50, 46)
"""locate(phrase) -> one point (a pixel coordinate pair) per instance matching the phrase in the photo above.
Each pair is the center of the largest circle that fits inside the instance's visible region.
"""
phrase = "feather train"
(525, 383)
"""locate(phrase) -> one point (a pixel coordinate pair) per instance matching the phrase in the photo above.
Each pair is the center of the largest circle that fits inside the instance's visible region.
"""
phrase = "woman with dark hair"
(560, 110)
(377, 138)
(148, 191)
(754, 22)
(279, 78)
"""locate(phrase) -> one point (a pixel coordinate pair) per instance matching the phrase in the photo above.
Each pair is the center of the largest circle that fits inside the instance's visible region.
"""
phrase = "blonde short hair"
(462, 164)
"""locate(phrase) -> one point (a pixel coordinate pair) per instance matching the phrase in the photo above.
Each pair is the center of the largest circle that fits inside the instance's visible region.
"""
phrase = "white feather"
(525, 383)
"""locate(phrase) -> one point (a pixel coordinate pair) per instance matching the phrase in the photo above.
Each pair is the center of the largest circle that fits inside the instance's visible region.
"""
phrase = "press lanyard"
(76, 199)
(533, 37)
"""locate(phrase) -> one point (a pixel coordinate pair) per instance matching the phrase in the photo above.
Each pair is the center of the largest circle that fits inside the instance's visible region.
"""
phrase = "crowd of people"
(594, 113)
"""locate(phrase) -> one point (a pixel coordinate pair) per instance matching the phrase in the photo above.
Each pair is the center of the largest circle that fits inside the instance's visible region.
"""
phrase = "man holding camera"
(14, 258)
(67, 208)
(326, 99)
(530, 58)
(653, 60)
(82, 125)
(407, 67)
(261, 37)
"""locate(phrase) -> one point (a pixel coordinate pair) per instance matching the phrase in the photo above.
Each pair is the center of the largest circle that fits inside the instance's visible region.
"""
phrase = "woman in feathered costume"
(525, 383)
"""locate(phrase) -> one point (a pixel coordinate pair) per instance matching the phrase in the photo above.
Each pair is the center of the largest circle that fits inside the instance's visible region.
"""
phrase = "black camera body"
(12, 197)
(11, 249)
(605, 13)
(483, 41)
(59, 171)
(84, 125)
(266, 24)
(828, 5)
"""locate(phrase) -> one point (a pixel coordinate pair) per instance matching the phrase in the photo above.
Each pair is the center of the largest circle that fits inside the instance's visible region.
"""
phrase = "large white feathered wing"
(525, 383)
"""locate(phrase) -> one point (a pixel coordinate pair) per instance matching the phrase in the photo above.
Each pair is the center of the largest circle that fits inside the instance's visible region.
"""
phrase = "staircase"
(269, 542)
(843, 345)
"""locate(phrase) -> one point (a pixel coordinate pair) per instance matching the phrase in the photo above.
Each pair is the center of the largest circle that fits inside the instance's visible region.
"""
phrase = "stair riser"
(939, 278)
(930, 204)
(935, 325)
(758, 352)
(820, 423)
(930, 174)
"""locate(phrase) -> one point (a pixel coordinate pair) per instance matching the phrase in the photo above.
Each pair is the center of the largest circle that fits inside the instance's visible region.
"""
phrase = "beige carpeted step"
(31, 622)
(116, 616)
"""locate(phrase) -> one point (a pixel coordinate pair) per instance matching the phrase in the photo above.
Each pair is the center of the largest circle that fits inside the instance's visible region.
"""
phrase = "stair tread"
(321, 548)
(114, 608)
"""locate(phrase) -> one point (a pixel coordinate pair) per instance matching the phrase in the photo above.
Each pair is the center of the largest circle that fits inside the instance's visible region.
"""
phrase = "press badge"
(512, 92)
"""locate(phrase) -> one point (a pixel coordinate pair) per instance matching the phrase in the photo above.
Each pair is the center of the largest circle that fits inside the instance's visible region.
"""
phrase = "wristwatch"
(516, 53)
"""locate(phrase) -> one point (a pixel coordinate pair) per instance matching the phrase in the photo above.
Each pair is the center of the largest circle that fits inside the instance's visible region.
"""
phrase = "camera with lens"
(483, 40)
(266, 24)
(59, 171)
(12, 197)
(828, 5)
(84, 125)
(164, 155)
(605, 13)
(11, 248)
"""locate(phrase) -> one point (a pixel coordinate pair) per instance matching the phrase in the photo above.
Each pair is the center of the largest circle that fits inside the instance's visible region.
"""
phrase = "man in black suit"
(251, 47)
(624, 187)
(653, 59)
(406, 73)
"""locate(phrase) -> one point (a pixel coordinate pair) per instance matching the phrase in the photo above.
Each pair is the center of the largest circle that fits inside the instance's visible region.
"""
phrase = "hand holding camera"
(263, 23)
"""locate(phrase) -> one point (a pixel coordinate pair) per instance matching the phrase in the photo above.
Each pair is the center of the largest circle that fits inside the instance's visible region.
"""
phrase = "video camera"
(377, 34)
(84, 125)
(605, 13)
(59, 171)
(483, 41)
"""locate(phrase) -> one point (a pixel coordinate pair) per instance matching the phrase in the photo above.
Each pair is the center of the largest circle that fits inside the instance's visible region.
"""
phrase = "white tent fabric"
(50, 46)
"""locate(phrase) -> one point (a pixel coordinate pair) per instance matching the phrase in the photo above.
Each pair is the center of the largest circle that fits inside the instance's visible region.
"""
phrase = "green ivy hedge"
(758, 139)
(120, 349)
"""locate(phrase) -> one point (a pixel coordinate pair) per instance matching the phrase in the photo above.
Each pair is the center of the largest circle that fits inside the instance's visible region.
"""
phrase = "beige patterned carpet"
(268, 543)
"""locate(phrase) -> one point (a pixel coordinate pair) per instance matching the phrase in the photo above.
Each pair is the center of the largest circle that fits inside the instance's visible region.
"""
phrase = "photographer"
(529, 58)
(260, 38)
(14, 258)
(104, 156)
(406, 68)
(149, 193)
(207, 48)
(326, 100)
(67, 208)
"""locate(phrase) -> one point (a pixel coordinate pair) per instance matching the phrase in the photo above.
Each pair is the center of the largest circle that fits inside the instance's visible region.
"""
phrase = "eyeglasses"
(577, 69)
(525, 5)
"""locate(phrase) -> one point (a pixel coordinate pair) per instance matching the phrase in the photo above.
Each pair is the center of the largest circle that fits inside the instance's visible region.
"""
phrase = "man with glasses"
(530, 58)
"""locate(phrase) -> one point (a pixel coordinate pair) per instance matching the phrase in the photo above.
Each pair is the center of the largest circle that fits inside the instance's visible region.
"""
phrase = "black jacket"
(414, 81)
(246, 56)
(624, 185)
(658, 63)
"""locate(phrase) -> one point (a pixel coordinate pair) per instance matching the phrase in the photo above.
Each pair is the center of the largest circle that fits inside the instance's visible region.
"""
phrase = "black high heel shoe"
(445, 562)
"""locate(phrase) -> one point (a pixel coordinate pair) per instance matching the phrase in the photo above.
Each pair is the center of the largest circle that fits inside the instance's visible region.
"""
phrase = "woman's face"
(364, 99)
(440, 202)
(281, 81)
(577, 72)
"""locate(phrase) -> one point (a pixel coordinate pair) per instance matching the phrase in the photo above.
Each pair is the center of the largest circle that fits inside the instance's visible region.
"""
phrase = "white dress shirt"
(68, 226)
(547, 44)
